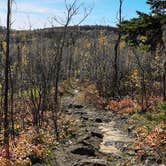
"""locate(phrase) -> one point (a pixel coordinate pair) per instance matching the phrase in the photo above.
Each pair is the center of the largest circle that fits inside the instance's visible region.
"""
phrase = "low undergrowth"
(34, 145)
(149, 127)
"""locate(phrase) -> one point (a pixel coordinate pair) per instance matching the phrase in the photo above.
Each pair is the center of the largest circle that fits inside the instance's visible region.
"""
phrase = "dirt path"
(97, 142)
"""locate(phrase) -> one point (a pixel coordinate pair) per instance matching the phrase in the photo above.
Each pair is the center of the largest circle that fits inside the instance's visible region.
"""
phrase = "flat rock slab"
(92, 162)
(111, 137)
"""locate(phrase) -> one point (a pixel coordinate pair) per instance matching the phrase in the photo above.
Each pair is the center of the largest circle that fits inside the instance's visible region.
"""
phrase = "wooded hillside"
(84, 95)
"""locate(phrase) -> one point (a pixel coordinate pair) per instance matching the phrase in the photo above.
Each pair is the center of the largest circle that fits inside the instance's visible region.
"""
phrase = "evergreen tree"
(146, 31)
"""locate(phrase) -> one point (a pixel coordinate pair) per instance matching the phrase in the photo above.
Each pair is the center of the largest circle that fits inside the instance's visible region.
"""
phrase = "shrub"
(126, 105)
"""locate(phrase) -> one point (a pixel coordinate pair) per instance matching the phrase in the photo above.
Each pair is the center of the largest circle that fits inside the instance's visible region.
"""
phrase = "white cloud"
(25, 13)
(34, 12)
(34, 7)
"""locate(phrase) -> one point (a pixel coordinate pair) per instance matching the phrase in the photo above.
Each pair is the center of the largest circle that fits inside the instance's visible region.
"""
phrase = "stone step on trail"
(92, 162)
(111, 138)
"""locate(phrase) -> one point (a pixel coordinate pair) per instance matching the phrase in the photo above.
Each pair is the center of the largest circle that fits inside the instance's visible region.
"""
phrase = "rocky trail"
(98, 140)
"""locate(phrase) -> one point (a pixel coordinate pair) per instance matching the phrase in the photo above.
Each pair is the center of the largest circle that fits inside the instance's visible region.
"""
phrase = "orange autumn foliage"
(126, 105)
(22, 146)
(156, 137)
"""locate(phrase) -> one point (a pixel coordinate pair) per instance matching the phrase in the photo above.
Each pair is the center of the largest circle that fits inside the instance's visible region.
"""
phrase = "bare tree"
(7, 64)
(143, 73)
(72, 9)
(164, 82)
(117, 54)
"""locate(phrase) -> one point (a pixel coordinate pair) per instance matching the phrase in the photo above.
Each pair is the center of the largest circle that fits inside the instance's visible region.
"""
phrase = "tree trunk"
(12, 103)
(116, 68)
(164, 82)
(116, 56)
(56, 83)
(6, 118)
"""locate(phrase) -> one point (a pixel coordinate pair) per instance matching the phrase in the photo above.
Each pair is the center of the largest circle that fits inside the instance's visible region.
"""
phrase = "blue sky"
(38, 13)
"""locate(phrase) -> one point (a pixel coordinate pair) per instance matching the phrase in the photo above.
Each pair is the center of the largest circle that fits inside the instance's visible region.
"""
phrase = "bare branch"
(72, 10)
